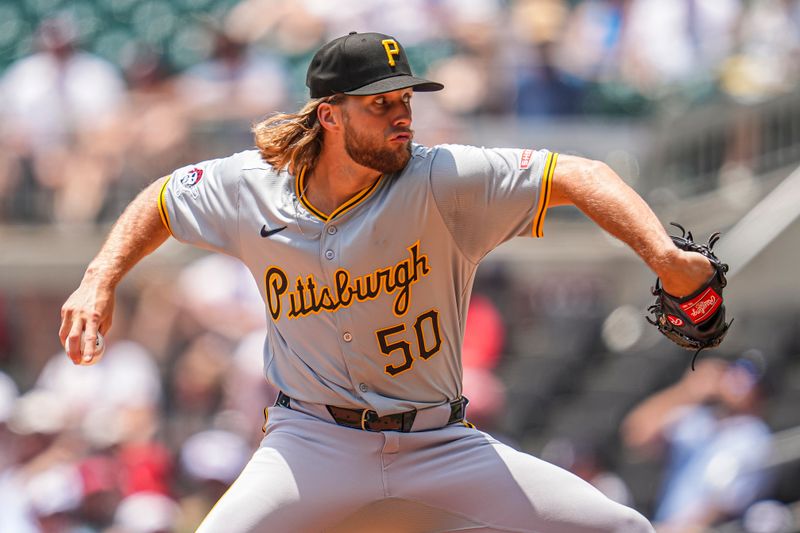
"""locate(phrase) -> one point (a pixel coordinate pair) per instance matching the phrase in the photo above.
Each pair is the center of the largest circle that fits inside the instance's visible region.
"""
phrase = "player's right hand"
(86, 312)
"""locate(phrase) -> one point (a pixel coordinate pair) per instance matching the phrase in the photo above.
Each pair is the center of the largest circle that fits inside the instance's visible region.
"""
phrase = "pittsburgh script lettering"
(309, 297)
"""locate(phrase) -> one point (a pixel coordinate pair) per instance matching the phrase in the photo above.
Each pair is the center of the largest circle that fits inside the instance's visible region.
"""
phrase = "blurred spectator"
(8, 396)
(484, 336)
(101, 494)
(144, 466)
(54, 494)
(246, 390)
(589, 47)
(214, 455)
(126, 378)
(770, 516)
(768, 48)
(13, 516)
(146, 513)
(670, 45)
(7, 336)
(544, 90)
(211, 460)
(219, 293)
(238, 82)
(487, 397)
(41, 459)
(474, 76)
(59, 106)
(466, 78)
(115, 405)
(295, 28)
(710, 426)
(543, 87)
(155, 128)
(197, 386)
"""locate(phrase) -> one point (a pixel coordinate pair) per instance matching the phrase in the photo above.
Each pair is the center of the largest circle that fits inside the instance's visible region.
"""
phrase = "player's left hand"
(87, 312)
(688, 272)
(689, 308)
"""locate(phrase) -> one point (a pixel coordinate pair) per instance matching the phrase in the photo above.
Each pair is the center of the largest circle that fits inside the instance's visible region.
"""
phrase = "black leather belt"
(369, 420)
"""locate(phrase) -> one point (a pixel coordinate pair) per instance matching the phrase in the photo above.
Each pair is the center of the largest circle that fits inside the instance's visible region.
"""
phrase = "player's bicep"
(571, 177)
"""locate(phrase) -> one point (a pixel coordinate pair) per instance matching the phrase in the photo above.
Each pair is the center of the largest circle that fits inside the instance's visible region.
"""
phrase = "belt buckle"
(365, 416)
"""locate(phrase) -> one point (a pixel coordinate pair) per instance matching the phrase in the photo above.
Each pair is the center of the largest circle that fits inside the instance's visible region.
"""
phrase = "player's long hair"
(293, 139)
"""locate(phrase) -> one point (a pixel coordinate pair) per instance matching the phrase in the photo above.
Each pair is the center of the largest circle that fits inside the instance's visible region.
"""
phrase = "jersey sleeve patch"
(188, 180)
(544, 193)
(525, 159)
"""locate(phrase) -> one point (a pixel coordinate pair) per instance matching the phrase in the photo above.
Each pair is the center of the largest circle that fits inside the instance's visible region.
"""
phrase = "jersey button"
(347, 337)
(363, 387)
(332, 230)
(329, 254)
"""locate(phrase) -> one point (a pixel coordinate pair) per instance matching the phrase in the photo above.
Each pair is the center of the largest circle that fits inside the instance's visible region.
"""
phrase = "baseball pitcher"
(364, 246)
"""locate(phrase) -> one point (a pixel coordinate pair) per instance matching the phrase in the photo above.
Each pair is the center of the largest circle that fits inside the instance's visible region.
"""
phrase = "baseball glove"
(696, 321)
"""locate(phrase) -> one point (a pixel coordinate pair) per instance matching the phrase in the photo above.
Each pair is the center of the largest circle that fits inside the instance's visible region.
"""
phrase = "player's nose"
(402, 116)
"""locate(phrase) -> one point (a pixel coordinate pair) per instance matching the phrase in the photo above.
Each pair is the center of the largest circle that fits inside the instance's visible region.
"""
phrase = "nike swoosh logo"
(270, 232)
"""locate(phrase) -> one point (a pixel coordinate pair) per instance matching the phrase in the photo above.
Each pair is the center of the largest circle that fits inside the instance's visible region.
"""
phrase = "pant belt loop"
(408, 420)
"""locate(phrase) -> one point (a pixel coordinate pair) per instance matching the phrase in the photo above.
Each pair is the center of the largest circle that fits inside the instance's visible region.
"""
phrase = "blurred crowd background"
(694, 102)
(106, 95)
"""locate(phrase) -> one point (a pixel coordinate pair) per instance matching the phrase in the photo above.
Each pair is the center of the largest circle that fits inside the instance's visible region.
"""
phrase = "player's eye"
(381, 100)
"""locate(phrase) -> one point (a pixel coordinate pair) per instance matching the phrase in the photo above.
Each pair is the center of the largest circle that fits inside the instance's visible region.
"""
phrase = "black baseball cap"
(363, 64)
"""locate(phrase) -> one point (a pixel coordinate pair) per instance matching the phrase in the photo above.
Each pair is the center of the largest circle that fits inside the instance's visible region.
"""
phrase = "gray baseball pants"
(310, 475)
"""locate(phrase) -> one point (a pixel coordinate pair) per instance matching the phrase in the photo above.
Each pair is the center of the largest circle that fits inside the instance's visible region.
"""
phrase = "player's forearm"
(138, 232)
(601, 194)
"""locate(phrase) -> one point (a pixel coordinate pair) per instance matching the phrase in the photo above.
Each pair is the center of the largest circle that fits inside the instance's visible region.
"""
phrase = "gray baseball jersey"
(366, 305)
(366, 309)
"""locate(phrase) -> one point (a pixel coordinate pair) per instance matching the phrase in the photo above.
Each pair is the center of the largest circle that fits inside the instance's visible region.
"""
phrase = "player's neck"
(335, 179)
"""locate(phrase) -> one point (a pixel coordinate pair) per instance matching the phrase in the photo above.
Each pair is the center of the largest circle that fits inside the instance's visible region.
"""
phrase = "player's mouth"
(401, 137)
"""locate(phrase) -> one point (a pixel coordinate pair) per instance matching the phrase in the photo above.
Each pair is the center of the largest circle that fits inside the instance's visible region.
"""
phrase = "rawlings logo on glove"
(703, 306)
(696, 321)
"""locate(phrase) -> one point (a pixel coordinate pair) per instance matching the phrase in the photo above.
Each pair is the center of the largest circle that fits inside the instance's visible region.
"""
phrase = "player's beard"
(370, 153)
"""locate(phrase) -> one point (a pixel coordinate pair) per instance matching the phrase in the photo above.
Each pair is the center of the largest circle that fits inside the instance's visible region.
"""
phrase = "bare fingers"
(81, 336)
(72, 343)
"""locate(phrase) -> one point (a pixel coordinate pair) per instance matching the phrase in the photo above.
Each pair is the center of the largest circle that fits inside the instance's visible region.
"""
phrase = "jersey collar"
(363, 194)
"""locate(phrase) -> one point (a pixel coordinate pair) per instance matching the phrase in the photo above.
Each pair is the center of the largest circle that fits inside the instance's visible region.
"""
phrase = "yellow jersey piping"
(298, 191)
(544, 195)
(351, 203)
(162, 207)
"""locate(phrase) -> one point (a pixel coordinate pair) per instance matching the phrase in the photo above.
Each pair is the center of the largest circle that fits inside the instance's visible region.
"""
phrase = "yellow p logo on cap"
(392, 49)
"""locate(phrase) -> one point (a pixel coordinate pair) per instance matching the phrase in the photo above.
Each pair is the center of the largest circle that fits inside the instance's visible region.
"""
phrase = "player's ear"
(329, 116)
